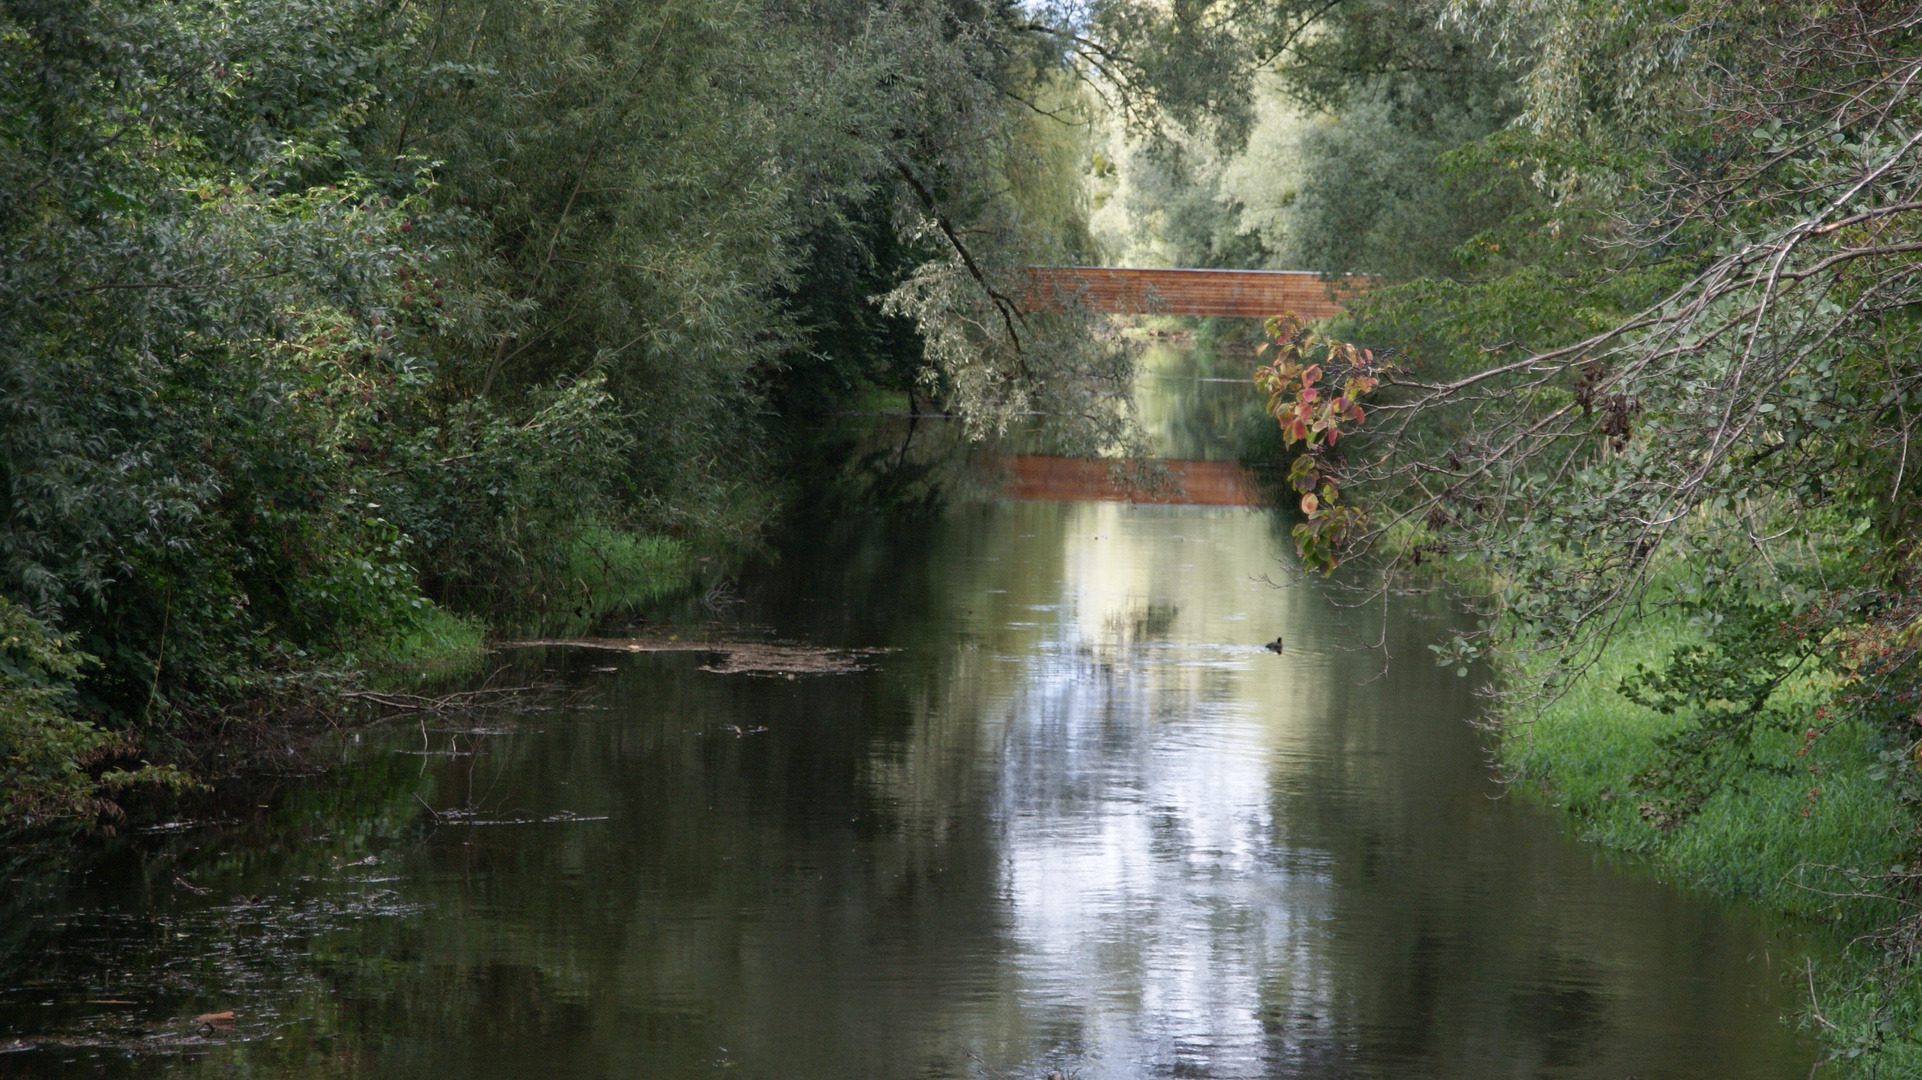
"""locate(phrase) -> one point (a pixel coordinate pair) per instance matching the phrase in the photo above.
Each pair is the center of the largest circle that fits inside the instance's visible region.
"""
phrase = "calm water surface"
(1078, 821)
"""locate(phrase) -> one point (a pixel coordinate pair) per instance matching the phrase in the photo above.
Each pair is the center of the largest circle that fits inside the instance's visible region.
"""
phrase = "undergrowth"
(1810, 828)
(611, 571)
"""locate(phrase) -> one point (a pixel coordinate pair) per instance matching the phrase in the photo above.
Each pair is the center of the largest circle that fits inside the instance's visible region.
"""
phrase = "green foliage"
(42, 749)
(52, 765)
(193, 337)
(1397, 91)
(1174, 201)
(846, 345)
(1314, 414)
(1321, 151)
(633, 269)
(327, 324)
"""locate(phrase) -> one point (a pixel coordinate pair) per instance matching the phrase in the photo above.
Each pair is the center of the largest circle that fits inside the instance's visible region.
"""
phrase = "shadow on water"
(1078, 821)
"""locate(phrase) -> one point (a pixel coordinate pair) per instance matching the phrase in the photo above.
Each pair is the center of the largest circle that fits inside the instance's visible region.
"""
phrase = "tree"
(1698, 393)
(1305, 135)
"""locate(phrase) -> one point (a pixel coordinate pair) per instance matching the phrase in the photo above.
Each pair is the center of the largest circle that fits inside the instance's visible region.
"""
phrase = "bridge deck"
(1254, 294)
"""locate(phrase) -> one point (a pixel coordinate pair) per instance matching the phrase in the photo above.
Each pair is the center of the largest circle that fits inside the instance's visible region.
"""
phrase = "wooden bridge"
(1247, 294)
(1106, 290)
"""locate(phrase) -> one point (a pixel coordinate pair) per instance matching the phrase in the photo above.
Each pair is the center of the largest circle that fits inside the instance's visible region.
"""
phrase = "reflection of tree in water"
(1148, 620)
(1193, 400)
(1079, 822)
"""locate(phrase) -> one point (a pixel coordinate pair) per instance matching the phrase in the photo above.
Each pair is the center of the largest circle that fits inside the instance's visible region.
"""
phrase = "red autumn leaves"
(1314, 385)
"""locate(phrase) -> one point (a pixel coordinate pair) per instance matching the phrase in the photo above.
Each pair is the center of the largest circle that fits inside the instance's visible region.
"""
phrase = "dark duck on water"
(1274, 646)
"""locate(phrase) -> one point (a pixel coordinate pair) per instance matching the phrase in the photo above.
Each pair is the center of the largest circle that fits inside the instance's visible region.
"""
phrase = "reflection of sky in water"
(1136, 803)
(1220, 862)
(1079, 821)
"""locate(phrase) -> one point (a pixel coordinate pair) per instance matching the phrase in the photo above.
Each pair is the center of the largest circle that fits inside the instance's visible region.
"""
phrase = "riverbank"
(1078, 820)
(64, 768)
(1811, 828)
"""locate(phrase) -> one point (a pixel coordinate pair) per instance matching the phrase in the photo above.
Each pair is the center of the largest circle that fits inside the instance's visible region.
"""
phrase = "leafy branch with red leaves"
(1315, 385)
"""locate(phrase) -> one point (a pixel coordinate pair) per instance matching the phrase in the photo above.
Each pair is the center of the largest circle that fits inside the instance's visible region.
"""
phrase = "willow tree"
(645, 185)
(1301, 135)
(1699, 396)
(311, 312)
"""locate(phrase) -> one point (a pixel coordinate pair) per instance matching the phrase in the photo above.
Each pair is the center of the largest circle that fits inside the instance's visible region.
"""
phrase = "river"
(1077, 821)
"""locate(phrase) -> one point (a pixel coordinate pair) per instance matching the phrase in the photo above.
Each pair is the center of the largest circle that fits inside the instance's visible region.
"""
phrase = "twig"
(1815, 1007)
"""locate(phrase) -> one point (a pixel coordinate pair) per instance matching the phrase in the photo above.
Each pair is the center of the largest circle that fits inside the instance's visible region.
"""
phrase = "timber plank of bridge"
(1247, 294)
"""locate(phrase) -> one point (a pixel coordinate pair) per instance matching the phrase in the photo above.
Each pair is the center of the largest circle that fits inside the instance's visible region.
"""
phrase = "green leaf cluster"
(322, 318)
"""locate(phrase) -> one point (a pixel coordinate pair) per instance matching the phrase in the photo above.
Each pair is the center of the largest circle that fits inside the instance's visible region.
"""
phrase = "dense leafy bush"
(54, 766)
(320, 319)
(194, 337)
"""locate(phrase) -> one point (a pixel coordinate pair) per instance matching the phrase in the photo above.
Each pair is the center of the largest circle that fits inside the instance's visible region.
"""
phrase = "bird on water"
(1274, 646)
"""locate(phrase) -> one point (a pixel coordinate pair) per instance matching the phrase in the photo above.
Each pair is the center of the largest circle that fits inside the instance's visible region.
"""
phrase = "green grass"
(1765, 840)
(440, 646)
(611, 570)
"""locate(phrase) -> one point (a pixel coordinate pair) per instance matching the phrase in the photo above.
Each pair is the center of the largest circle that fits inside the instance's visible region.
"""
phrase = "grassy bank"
(440, 645)
(610, 574)
(61, 764)
(1811, 829)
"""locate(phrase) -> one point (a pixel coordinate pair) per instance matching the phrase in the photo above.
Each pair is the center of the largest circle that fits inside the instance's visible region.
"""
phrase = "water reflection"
(1194, 401)
(1079, 822)
(1225, 863)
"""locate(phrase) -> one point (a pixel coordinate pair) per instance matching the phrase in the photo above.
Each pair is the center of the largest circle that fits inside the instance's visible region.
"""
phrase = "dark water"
(1078, 821)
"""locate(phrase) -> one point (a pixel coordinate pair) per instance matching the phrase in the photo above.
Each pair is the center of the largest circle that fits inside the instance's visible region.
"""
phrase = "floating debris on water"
(472, 817)
(736, 657)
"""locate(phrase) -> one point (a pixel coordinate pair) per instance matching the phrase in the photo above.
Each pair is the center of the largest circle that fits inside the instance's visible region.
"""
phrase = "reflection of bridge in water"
(1117, 291)
(1250, 294)
(1038, 478)
(1107, 290)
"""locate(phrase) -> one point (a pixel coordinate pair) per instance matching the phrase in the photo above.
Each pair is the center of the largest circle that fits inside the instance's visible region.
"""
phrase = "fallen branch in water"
(737, 657)
(440, 703)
